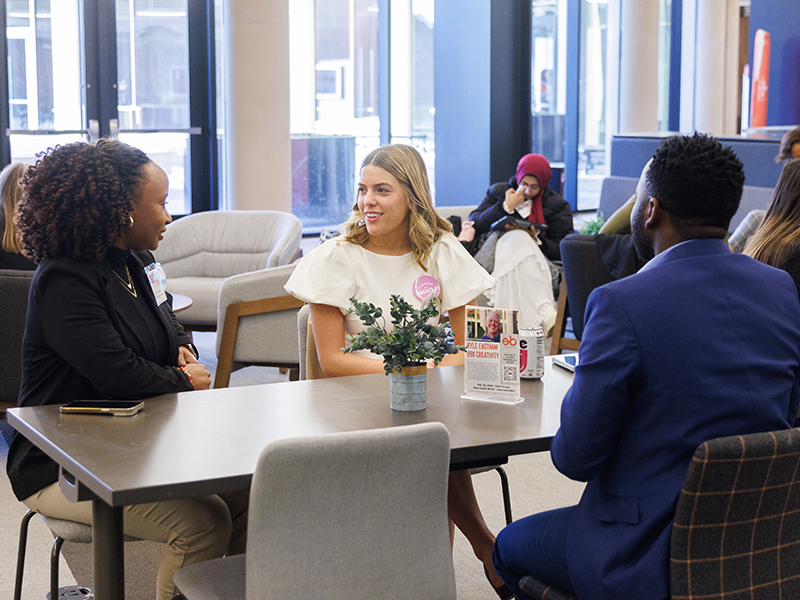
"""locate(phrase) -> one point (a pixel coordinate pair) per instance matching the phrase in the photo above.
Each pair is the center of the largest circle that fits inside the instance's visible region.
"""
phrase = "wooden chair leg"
(561, 319)
(560, 342)
(229, 332)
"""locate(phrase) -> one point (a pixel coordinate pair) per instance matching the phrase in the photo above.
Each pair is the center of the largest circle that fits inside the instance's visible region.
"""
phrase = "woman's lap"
(155, 521)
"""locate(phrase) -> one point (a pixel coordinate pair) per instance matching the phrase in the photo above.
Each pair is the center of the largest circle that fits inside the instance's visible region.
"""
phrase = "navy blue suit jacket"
(706, 344)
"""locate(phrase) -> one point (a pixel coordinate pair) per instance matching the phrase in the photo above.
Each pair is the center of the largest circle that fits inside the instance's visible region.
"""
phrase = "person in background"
(522, 257)
(98, 327)
(789, 152)
(700, 343)
(790, 146)
(11, 256)
(777, 241)
(393, 241)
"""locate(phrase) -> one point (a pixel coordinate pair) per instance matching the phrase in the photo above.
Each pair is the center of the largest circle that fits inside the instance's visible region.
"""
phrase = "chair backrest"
(614, 192)
(14, 288)
(737, 522)
(225, 243)
(309, 362)
(303, 316)
(352, 516)
(261, 338)
(753, 197)
(591, 261)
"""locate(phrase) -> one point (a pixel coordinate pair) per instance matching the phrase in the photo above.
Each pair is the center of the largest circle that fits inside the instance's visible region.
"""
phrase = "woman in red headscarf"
(521, 255)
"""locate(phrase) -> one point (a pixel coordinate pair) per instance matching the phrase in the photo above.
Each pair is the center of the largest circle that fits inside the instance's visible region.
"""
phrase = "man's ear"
(653, 213)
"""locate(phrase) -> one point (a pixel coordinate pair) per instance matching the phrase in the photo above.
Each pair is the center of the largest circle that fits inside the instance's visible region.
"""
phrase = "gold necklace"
(128, 284)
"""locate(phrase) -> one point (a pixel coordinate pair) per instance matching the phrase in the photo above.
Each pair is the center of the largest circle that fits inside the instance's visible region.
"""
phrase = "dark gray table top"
(197, 443)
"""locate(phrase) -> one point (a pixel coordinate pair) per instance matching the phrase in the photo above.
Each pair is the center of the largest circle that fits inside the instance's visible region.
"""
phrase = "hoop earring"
(130, 221)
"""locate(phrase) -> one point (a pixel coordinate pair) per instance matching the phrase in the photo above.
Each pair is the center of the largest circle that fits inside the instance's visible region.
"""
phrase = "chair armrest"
(254, 285)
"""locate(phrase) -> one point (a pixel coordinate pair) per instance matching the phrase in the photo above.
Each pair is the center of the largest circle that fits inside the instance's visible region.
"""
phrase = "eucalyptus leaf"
(413, 340)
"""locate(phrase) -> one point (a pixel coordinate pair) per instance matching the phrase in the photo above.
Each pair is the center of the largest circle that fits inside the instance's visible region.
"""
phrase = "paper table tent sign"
(491, 366)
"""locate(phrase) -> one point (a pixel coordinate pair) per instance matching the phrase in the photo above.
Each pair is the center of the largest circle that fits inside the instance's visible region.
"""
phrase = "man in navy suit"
(700, 343)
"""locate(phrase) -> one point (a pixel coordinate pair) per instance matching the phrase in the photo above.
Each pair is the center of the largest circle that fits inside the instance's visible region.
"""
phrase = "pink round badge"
(425, 287)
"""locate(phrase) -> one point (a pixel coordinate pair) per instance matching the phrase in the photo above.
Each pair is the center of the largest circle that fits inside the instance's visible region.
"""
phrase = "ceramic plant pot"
(408, 389)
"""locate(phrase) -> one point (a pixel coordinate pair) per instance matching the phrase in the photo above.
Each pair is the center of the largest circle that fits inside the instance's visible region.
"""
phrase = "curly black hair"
(77, 199)
(697, 181)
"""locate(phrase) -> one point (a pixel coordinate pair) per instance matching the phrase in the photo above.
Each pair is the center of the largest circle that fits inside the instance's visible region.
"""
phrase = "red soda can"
(531, 352)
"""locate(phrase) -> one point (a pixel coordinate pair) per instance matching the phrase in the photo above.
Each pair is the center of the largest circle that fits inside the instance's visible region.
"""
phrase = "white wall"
(709, 66)
(257, 135)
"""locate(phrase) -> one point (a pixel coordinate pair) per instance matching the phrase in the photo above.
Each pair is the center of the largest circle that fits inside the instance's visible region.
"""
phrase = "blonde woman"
(777, 241)
(11, 256)
(395, 243)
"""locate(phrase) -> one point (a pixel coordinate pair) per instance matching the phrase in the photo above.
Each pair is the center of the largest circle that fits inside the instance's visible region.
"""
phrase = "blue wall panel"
(629, 153)
(781, 18)
(462, 54)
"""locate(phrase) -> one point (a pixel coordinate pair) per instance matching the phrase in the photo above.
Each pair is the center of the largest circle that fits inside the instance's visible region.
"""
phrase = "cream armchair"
(200, 251)
(257, 323)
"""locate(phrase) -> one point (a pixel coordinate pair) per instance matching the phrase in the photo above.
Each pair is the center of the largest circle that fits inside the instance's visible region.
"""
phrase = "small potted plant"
(406, 347)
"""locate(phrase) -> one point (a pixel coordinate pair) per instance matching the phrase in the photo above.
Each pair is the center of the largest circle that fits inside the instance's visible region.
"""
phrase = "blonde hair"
(778, 237)
(11, 194)
(425, 225)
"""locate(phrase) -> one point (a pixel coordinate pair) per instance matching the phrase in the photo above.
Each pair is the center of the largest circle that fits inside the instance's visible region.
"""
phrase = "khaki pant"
(194, 529)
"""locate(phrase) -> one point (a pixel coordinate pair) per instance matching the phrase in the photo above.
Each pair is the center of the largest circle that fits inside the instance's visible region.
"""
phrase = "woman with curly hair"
(394, 242)
(11, 256)
(100, 326)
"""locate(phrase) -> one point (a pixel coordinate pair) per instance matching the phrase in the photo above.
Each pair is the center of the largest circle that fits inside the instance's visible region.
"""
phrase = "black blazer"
(88, 337)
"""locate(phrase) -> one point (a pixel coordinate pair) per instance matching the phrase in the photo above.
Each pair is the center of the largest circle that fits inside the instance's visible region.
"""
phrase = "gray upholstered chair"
(311, 369)
(753, 197)
(345, 516)
(14, 287)
(736, 529)
(201, 250)
(589, 262)
(256, 323)
(614, 192)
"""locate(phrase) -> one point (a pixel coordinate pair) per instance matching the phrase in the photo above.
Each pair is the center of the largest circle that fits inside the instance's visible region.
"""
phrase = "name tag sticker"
(154, 277)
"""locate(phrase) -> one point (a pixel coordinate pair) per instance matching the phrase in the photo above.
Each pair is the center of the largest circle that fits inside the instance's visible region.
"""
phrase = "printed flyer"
(491, 367)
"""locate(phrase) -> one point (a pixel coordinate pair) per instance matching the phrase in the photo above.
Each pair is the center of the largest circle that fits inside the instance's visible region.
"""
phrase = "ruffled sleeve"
(460, 277)
(326, 275)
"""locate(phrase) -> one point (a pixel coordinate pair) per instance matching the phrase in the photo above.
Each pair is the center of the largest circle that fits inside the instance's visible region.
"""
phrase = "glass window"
(549, 79)
(45, 74)
(335, 120)
(592, 102)
(153, 88)
(334, 104)
(664, 49)
(412, 78)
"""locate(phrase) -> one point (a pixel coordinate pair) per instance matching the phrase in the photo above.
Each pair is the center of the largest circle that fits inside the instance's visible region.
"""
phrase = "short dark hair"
(77, 199)
(698, 182)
